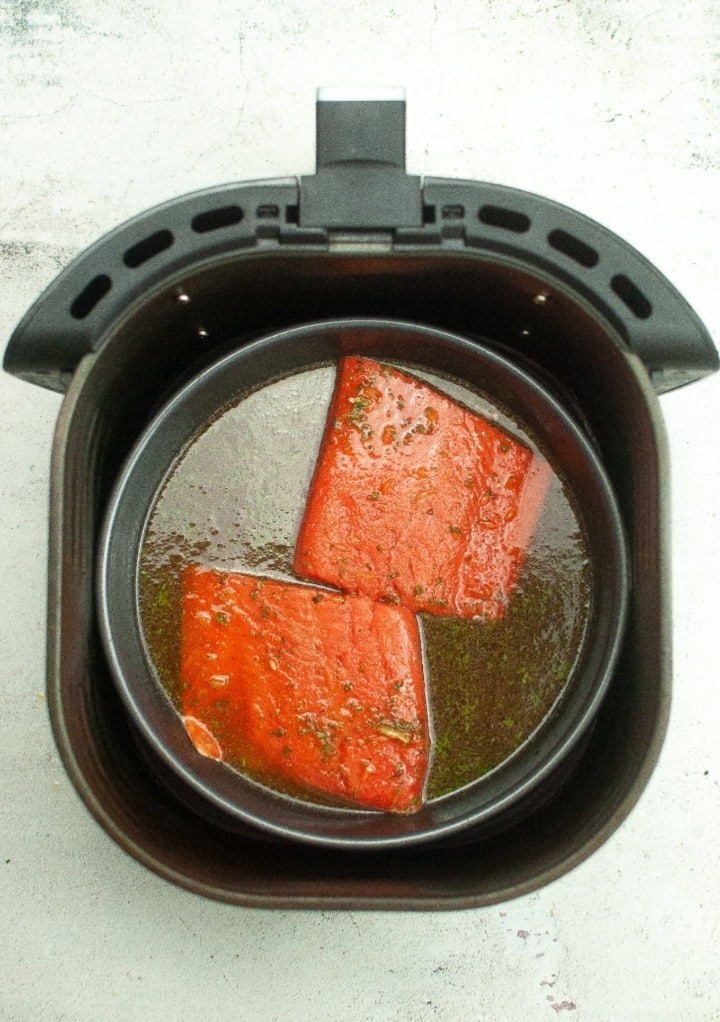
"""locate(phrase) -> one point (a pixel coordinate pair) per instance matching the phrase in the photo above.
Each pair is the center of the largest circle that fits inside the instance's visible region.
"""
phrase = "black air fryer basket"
(168, 293)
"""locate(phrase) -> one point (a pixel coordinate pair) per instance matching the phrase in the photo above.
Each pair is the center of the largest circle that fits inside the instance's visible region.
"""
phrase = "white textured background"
(106, 109)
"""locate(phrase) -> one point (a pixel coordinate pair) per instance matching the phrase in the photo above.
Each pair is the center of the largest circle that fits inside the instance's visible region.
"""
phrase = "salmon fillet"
(295, 683)
(417, 500)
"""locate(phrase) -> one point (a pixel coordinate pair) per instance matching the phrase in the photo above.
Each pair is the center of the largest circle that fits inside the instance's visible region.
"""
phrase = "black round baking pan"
(509, 789)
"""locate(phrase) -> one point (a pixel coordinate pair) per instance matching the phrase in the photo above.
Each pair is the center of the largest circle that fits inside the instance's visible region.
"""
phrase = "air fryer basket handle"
(361, 192)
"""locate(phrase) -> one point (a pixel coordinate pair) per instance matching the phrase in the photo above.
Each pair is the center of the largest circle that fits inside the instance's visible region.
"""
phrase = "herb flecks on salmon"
(320, 689)
(416, 500)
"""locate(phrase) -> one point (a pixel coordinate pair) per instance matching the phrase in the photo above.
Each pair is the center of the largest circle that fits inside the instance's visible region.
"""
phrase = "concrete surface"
(106, 109)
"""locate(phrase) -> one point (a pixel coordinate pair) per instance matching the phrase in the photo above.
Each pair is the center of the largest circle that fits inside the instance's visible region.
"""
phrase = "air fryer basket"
(172, 290)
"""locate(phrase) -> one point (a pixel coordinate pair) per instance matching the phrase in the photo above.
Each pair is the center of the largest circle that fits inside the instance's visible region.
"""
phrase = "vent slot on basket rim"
(145, 250)
(493, 215)
(573, 247)
(90, 296)
(505, 218)
(217, 219)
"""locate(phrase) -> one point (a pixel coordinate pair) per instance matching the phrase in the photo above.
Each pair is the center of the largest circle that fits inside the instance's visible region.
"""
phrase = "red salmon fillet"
(304, 685)
(416, 500)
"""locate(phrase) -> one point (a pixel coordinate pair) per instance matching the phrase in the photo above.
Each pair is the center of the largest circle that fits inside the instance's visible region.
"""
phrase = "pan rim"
(109, 632)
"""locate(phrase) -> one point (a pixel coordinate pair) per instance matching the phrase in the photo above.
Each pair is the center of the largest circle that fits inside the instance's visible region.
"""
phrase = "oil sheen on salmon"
(234, 500)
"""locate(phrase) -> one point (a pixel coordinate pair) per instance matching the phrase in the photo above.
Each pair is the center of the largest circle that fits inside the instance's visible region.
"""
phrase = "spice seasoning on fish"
(416, 499)
(321, 690)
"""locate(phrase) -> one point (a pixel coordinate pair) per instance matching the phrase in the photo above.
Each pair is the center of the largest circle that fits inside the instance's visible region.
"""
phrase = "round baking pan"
(515, 787)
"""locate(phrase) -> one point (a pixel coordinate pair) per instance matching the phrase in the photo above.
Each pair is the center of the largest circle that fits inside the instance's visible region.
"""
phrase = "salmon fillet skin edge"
(417, 500)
